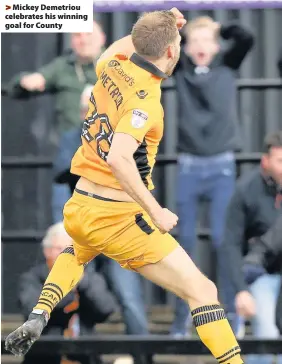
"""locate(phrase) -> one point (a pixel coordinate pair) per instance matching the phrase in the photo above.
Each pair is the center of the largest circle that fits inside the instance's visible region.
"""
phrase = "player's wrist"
(155, 211)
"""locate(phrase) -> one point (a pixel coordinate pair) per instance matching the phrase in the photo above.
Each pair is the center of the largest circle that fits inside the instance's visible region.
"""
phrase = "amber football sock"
(64, 275)
(215, 332)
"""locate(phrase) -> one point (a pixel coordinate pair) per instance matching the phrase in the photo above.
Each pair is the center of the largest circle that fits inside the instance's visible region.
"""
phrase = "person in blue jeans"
(262, 270)
(213, 178)
(125, 284)
(127, 287)
(254, 207)
(207, 137)
(265, 256)
(265, 291)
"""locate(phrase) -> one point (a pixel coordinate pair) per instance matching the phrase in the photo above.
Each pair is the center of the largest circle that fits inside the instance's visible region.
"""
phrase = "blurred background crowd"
(223, 119)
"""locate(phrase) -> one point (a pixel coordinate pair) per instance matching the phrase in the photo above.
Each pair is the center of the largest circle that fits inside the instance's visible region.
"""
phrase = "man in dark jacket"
(265, 256)
(91, 302)
(206, 84)
(254, 208)
(65, 77)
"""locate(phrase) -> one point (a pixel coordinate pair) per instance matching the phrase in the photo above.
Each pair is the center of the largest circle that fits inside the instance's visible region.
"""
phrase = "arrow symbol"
(8, 7)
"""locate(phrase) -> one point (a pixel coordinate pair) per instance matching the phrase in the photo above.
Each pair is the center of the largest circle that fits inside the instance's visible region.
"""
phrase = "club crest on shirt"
(139, 118)
(141, 94)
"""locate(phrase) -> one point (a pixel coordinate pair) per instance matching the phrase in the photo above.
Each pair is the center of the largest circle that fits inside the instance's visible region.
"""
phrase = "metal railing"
(162, 159)
(136, 345)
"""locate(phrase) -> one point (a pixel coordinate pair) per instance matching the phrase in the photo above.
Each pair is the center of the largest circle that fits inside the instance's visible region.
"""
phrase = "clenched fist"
(180, 21)
(165, 220)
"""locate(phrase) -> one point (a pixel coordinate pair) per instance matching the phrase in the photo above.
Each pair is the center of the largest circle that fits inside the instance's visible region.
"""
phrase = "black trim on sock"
(229, 357)
(61, 295)
(52, 290)
(46, 304)
(228, 352)
(205, 309)
(68, 250)
(42, 300)
(208, 317)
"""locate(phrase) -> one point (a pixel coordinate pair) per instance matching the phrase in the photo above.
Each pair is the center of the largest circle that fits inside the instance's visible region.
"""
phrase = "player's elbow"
(111, 160)
(116, 161)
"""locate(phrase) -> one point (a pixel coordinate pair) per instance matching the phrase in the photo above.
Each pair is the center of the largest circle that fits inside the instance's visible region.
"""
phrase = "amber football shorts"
(120, 230)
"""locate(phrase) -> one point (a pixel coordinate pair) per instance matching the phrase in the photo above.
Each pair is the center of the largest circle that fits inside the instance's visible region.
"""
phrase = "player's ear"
(170, 51)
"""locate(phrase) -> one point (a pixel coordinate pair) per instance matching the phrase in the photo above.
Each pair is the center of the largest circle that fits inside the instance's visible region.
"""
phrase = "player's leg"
(65, 274)
(178, 274)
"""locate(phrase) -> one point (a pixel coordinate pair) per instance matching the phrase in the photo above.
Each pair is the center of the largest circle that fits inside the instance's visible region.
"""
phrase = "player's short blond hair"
(201, 22)
(153, 33)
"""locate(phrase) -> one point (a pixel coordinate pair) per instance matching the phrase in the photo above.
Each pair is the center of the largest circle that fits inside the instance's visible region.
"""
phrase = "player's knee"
(203, 292)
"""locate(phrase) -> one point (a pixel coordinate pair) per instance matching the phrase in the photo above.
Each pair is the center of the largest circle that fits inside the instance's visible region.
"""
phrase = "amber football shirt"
(125, 99)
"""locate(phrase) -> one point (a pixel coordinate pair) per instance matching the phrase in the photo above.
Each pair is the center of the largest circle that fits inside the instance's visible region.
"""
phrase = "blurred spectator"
(65, 77)
(208, 130)
(68, 145)
(265, 253)
(91, 300)
(253, 209)
(265, 256)
(127, 287)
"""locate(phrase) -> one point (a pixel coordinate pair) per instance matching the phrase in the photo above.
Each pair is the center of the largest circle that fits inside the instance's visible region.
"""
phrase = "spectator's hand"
(179, 18)
(33, 82)
(245, 304)
(165, 220)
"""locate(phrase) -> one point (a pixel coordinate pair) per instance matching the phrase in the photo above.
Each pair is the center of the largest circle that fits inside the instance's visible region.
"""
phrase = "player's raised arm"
(123, 166)
(123, 45)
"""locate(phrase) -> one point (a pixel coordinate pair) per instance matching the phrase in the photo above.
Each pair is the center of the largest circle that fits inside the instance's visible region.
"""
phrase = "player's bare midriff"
(103, 191)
